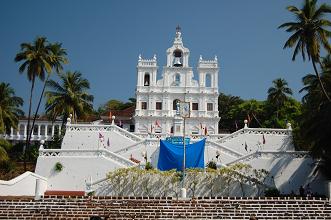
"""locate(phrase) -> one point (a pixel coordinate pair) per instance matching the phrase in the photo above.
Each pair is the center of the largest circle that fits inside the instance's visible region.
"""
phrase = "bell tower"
(178, 55)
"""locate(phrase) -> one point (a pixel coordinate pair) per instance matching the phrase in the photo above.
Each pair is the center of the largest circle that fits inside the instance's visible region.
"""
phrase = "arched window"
(208, 80)
(177, 79)
(146, 79)
(178, 58)
(174, 104)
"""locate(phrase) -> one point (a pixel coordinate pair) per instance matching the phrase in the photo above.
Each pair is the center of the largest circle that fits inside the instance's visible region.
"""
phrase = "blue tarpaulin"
(171, 155)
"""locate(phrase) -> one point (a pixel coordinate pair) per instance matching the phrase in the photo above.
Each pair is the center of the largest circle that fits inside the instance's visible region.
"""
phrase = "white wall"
(23, 185)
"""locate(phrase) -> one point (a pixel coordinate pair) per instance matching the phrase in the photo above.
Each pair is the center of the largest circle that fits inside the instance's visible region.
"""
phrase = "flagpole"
(184, 158)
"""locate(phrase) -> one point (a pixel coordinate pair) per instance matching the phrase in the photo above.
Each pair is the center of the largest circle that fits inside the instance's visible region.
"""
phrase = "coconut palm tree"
(36, 62)
(57, 58)
(69, 97)
(9, 108)
(309, 33)
(278, 93)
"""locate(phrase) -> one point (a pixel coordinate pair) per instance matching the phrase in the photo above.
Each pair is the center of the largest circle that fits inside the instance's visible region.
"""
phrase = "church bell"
(177, 62)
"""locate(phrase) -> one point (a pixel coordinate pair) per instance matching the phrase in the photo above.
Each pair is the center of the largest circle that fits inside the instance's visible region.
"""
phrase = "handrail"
(266, 152)
(82, 152)
(129, 147)
(21, 177)
(222, 147)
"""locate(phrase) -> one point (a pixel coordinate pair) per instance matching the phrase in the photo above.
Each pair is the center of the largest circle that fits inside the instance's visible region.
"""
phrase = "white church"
(157, 99)
(89, 151)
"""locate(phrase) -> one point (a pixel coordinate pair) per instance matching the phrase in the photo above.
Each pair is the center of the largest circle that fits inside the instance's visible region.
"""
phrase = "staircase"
(62, 207)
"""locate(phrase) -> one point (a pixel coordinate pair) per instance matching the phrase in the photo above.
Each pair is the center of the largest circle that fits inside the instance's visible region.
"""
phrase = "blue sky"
(104, 38)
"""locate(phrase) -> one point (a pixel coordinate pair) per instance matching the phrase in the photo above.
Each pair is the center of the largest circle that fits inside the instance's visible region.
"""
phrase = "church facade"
(157, 98)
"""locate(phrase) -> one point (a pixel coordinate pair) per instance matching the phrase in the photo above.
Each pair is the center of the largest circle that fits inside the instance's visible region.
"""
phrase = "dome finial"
(178, 29)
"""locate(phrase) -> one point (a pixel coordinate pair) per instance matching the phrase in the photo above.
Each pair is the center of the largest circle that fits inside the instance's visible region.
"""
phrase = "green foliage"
(226, 104)
(7, 165)
(212, 165)
(149, 166)
(114, 104)
(139, 182)
(9, 108)
(56, 142)
(271, 192)
(69, 97)
(58, 167)
(5, 146)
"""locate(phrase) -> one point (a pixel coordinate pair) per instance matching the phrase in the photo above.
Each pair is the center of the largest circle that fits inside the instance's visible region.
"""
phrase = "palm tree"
(69, 97)
(36, 62)
(57, 57)
(9, 108)
(309, 33)
(278, 93)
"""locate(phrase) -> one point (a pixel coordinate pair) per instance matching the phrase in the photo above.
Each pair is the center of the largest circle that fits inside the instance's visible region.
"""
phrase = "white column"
(46, 129)
(11, 131)
(52, 130)
(59, 133)
(25, 130)
(39, 130)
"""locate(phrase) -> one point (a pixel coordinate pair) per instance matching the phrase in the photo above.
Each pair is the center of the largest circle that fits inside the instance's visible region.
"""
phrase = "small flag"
(263, 139)
(100, 136)
(108, 143)
(157, 123)
(206, 132)
(201, 126)
(246, 146)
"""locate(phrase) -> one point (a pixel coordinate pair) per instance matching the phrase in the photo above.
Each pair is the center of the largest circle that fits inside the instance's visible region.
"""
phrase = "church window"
(143, 105)
(195, 106)
(174, 104)
(177, 79)
(158, 105)
(208, 80)
(210, 107)
(146, 79)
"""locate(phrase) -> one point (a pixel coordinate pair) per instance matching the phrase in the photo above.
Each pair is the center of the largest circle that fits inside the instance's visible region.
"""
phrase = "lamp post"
(184, 110)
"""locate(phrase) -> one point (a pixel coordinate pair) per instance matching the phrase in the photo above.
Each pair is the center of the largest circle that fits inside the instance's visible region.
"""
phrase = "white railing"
(224, 149)
(126, 149)
(86, 153)
(102, 128)
(257, 131)
(257, 154)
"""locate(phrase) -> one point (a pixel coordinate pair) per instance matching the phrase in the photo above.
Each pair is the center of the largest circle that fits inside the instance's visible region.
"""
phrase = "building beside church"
(157, 99)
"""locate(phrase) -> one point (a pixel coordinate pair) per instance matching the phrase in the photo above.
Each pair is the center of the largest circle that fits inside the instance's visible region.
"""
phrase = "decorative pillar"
(39, 128)
(11, 132)
(245, 121)
(46, 130)
(25, 129)
(52, 130)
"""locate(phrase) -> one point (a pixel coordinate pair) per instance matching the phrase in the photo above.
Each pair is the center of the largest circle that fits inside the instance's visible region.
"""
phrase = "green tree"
(226, 103)
(309, 33)
(315, 123)
(9, 108)
(36, 62)
(57, 57)
(252, 110)
(278, 94)
(69, 97)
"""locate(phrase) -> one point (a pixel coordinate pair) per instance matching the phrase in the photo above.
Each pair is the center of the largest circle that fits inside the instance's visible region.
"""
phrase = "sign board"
(184, 109)
(178, 140)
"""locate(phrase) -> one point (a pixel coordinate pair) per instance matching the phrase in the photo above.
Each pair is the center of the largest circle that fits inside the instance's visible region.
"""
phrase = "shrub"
(58, 167)
(272, 192)
(212, 165)
(8, 166)
(149, 166)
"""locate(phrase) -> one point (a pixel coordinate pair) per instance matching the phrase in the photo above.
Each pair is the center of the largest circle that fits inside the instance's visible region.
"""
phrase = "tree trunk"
(27, 143)
(38, 106)
(320, 81)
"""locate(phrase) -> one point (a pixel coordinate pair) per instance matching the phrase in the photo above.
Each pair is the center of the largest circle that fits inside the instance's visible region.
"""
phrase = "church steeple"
(177, 55)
